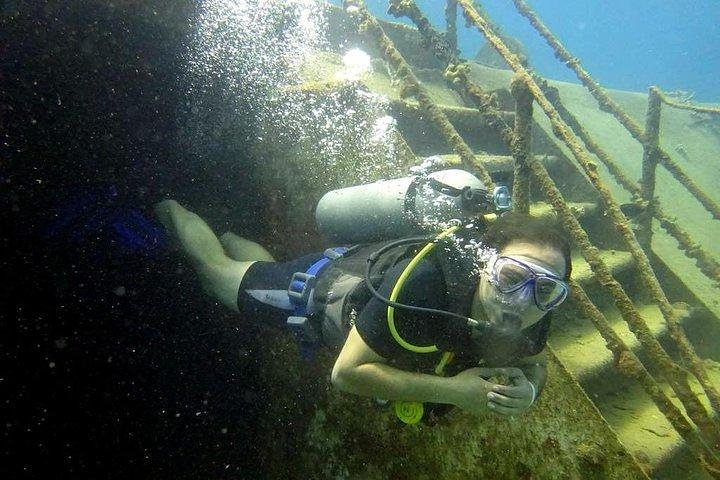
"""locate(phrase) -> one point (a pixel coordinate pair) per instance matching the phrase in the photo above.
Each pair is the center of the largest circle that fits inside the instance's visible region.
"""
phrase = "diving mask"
(510, 275)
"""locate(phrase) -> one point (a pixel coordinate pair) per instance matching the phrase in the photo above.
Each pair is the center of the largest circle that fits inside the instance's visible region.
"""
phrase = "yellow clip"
(409, 412)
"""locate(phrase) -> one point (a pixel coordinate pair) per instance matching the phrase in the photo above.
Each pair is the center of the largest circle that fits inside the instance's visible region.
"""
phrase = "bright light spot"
(356, 63)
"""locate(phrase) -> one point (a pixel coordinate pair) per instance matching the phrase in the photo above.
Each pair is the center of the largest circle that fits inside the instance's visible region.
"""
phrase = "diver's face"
(518, 310)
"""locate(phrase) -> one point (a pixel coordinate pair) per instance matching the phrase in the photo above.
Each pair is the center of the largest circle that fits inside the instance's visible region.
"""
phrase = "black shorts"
(260, 296)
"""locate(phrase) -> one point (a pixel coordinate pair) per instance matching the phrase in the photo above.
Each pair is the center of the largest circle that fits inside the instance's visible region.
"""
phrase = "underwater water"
(117, 362)
(625, 45)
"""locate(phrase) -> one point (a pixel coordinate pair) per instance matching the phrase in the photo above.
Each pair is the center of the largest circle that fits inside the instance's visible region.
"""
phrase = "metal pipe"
(451, 23)
(650, 161)
(521, 144)
(687, 106)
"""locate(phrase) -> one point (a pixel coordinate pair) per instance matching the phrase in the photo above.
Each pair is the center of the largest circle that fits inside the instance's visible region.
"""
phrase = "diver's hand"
(514, 398)
(471, 391)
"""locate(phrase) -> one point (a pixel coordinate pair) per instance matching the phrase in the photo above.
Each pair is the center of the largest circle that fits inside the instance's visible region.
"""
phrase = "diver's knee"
(227, 238)
(243, 250)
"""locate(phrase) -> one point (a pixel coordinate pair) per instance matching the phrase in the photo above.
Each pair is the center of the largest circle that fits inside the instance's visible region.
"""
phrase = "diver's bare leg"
(219, 274)
(244, 250)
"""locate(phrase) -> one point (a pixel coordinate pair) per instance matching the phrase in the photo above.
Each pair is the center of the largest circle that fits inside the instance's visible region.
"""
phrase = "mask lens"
(510, 276)
(549, 292)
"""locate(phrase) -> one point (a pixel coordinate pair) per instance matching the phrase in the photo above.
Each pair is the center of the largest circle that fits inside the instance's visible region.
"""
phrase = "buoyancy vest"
(340, 293)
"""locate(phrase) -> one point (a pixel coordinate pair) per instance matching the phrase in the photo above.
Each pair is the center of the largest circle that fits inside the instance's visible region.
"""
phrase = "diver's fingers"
(504, 401)
(509, 391)
(504, 410)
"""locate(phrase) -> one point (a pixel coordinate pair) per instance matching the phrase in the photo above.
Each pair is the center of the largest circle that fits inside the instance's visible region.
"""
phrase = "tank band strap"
(300, 293)
(302, 283)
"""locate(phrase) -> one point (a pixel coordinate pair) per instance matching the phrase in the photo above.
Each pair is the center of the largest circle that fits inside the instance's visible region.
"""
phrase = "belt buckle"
(335, 253)
(308, 283)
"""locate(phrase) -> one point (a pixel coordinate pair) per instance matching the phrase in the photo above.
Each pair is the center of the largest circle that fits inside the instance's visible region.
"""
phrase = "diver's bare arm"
(535, 369)
(361, 371)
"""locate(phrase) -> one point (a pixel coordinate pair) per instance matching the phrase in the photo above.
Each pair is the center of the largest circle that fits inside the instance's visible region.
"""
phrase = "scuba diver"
(456, 318)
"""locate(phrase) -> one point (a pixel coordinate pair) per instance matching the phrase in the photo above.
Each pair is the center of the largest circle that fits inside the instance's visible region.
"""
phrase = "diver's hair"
(515, 226)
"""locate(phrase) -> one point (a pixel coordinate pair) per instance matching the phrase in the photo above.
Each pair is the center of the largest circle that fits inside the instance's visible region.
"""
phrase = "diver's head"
(527, 277)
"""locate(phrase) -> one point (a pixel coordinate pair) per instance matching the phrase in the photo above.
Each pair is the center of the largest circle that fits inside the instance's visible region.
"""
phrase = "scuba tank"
(405, 206)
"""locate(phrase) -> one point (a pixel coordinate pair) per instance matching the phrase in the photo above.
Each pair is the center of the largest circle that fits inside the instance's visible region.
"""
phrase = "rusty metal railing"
(674, 374)
(626, 361)
(608, 104)
(693, 250)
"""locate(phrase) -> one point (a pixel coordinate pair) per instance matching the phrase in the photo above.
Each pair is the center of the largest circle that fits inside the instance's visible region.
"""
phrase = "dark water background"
(114, 363)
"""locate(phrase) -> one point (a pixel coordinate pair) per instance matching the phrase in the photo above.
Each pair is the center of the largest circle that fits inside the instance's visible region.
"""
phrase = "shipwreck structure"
(634, 372)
